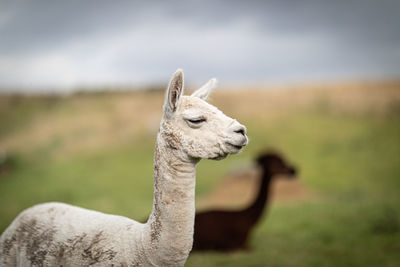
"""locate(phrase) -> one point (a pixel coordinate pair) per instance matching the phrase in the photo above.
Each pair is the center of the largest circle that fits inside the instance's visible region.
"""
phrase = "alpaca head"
(195, 128)
(274, 164)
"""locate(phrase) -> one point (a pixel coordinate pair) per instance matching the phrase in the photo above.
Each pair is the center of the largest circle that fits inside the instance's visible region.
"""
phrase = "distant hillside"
(89, 120)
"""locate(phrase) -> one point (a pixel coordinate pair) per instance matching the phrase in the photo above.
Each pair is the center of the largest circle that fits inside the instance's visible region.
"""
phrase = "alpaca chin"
(220, 157)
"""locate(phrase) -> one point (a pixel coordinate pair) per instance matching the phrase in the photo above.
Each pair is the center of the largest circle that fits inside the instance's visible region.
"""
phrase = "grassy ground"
(96, 151)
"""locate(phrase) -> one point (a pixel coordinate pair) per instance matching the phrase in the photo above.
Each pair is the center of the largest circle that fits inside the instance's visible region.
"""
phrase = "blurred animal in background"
(227, 230)
(57, 234)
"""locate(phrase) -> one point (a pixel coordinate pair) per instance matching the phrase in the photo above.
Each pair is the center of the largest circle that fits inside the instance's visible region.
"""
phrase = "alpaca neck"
(171, 222)
(255, 210)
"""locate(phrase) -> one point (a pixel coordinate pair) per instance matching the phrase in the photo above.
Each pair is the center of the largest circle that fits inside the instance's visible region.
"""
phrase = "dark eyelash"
(197, 121)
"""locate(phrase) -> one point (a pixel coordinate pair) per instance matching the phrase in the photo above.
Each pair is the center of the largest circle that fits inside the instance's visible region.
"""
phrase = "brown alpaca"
(225, 230)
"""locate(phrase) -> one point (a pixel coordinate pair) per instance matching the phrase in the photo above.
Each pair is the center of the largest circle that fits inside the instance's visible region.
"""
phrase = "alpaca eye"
(197, 121)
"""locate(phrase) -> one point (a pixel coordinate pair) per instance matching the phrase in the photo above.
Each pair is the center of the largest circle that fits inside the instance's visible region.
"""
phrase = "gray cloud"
(63, 44)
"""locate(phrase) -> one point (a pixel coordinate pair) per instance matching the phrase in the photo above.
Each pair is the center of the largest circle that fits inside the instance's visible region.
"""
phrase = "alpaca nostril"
(240, 131)
(237, 128)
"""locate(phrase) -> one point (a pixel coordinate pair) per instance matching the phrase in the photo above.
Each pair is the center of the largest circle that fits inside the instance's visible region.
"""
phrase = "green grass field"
(96, 151)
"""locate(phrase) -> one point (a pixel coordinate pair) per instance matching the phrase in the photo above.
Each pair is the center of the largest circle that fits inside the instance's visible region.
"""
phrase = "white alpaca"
(56, 234)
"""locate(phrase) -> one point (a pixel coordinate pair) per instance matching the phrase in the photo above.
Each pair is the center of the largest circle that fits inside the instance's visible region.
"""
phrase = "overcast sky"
(61, 45)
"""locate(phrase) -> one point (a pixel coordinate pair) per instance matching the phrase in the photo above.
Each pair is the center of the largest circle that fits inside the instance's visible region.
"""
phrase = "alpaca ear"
(174, 92)
(204, 91)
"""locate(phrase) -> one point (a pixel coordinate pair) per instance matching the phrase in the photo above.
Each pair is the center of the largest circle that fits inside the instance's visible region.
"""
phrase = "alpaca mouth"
(237, 147)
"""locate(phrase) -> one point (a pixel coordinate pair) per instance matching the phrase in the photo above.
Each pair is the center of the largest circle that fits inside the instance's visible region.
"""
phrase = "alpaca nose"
(238, 128)
(241, 131)
(292, 171)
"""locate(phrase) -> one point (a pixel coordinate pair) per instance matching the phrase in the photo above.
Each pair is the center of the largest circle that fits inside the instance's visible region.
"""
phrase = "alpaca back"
(46, 235)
